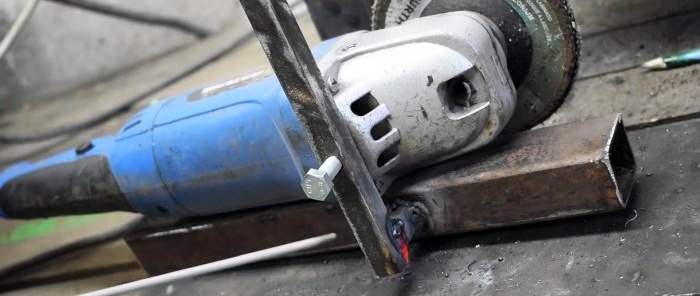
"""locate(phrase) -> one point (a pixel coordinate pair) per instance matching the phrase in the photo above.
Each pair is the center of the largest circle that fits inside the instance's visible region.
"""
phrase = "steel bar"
(296, 69)
(545, 174)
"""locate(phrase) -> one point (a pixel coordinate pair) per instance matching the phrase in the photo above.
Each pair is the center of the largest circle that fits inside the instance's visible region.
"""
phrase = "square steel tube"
(548, 173)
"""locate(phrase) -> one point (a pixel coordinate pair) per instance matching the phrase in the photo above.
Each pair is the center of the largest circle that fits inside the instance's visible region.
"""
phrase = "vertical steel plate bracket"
(301, 79)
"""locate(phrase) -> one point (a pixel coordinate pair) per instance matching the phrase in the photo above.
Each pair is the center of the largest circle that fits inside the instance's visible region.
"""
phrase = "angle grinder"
(542, 45)
(437, 79)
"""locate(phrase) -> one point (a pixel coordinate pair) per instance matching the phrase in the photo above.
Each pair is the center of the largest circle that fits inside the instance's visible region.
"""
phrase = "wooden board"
(81, 264)
(596, 17)
(613, 82)
(642, 97)
(21, 240)
(623, 50)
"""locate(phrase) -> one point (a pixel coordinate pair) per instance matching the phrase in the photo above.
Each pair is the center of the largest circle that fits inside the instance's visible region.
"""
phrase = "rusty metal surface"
(325, 129)
(562, 171)
(550, 173)
(190, 242)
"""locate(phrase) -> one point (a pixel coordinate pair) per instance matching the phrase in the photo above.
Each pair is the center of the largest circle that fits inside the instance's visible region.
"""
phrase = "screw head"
(348, 47)
(84, 147)
(333, 84)
(317, 184)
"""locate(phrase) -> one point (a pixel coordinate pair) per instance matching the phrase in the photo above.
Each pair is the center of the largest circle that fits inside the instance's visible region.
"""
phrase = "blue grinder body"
(218, 149)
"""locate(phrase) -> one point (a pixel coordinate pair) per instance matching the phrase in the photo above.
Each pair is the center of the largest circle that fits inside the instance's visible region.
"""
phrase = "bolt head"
(317, 184)
(84, 147)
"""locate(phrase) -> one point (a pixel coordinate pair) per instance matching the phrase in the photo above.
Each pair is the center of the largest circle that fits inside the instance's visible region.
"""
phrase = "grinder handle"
(53, 188)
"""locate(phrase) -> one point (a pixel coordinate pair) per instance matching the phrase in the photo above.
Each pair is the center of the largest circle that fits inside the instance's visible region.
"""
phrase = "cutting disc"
(542, 46)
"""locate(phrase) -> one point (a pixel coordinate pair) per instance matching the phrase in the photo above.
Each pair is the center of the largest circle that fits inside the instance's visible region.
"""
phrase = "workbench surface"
(652, 248)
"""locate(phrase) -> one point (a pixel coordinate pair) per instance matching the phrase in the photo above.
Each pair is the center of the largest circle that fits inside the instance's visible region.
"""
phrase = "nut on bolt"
(318, 183)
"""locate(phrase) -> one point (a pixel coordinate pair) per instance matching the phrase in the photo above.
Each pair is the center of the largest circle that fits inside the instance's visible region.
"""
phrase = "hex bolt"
(318, 183)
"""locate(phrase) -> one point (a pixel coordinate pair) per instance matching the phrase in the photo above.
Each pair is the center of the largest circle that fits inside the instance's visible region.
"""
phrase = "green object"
(39, 228)
(29, 230)
(683, 58)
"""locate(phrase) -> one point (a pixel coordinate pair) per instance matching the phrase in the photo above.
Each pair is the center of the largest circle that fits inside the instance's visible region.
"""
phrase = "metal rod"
(261, 255)
(300, 77)
(17, 26)
(331, 166)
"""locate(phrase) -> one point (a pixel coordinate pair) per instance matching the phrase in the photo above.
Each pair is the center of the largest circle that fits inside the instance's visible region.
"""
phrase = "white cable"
(17, 26)
(261, 255)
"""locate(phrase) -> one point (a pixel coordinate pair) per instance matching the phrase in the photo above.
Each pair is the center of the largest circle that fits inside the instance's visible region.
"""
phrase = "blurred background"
(64, 46)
